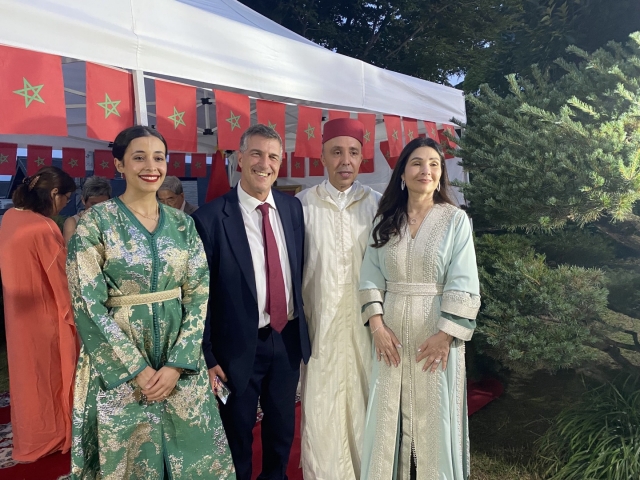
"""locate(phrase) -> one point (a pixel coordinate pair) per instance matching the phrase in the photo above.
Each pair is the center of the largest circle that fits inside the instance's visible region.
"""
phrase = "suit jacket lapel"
(237, 237)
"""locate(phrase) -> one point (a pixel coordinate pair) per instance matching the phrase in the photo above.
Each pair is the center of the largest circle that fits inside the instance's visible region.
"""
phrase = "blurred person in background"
(171, 193)
(95, 190)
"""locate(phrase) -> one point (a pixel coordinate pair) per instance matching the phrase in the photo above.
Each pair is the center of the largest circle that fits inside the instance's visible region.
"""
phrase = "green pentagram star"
(30, 97)
(176, 118)
(73, 162)
(310, 132)
(104, 164)
(198, 166)
(433, 132)
(395, 135)
(316, 163)
(234, 120)
(176, 164)
(410, 134)
(4, 158)
(272, 125)
(387, 154)
(367, 136)
(110, 106)
(365, 160)
(40, 162)
(297, 164)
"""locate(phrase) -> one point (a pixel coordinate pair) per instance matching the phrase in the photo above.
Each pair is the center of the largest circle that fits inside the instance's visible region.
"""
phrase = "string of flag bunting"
(32, 101)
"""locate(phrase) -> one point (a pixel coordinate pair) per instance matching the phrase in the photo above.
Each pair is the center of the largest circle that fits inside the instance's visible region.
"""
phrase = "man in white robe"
(338, 217)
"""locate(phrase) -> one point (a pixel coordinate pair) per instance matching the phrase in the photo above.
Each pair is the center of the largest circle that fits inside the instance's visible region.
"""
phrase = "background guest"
(94, 191)
(41, 335)
(171, 193)
(419, 290)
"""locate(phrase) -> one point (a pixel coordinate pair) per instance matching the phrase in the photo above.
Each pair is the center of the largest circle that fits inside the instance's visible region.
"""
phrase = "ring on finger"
(437, 360)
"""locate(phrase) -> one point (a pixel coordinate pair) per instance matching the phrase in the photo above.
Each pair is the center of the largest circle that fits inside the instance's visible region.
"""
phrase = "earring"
(438, 187)
(402, 185)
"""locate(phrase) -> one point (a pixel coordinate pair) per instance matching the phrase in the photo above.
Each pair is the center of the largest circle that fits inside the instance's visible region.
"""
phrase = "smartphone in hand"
(222, 391)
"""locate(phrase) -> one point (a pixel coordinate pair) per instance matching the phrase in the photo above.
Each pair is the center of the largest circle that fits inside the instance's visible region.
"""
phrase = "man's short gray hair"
(172, 184)
(96, 187)
(260, 130)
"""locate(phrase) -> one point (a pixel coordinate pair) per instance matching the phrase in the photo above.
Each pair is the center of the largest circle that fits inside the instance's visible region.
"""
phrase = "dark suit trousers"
(274, 380)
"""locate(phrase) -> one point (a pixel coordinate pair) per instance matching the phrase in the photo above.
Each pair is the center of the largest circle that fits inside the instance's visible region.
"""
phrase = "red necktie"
(276, 304)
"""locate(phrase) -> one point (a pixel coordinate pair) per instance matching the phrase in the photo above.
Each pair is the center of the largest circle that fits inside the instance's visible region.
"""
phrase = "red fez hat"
(343, 127)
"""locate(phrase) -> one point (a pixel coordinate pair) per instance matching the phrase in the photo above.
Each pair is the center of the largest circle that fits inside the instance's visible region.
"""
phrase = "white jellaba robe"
(335, 383)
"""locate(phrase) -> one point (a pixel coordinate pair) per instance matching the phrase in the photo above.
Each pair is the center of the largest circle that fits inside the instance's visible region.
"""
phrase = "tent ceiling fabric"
(219, 43)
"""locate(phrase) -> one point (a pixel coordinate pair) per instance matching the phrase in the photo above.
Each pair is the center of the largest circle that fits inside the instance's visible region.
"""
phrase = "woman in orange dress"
(41, 335)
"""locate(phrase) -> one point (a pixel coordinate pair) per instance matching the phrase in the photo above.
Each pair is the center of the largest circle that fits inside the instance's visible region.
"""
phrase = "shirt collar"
(250, 203)
(184, 204)
(334, 192)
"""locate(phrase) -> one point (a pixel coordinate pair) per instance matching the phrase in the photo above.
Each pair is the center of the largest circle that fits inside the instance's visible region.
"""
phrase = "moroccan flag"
(198, 165)
(73, 162)
(272, 114)
(369, 122)
(297, 166)
(432, 131)
(109, 101)
(103, 165)
(37, 157)
(309, 132)
(218, 180)
(31, 93)
(410, 129)
(386, 152)
(367, 165)
(176, 115)
(233, 116)
(283, 172)
(333, 114)
(394, 134)
(177, 165)
(8, 158)
(448, 145)
(316, 169)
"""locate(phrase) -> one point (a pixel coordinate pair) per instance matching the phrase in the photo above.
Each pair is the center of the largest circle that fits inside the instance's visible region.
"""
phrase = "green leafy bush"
(598, 438)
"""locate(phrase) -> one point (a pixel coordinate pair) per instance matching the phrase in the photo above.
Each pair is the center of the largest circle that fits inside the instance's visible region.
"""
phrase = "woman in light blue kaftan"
(419, 288)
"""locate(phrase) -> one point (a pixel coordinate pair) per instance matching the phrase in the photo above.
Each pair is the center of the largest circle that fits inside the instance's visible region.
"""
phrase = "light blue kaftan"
(421, 285)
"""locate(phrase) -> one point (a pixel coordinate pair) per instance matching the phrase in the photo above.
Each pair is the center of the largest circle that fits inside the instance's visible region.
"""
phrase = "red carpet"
(54, 466)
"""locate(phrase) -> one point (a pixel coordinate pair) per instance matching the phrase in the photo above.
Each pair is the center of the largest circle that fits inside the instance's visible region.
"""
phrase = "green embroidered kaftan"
(115, 434)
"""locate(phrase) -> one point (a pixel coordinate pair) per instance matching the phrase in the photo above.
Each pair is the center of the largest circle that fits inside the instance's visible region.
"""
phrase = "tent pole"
(140, 95)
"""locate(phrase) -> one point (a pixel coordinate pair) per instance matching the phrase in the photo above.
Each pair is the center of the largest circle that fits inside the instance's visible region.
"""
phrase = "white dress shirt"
(341, 198)
(253, 226)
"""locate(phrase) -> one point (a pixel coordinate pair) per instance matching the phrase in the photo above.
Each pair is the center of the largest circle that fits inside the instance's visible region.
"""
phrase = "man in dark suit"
(256, 334)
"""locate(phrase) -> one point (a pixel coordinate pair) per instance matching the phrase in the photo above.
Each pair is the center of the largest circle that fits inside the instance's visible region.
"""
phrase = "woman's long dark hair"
(392, 211)
(35, 192)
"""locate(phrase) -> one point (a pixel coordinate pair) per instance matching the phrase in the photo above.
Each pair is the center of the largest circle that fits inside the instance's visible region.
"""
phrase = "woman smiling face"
(423, 171)
(144, 164)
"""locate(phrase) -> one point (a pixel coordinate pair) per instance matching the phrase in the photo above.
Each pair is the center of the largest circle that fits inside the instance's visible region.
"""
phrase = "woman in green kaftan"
(420, 294)
(139, 281)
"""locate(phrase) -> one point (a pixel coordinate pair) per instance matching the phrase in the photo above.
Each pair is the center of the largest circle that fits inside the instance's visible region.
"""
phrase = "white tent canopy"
(212, 44)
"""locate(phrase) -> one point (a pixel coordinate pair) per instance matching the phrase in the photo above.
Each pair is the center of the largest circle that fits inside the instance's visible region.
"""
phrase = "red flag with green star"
(109, 101)
(38, 157)
(219, 180)
(297, 166)
(316, 168)
(31, 93)
(333, 114)
(366, 166)
(73, 162)
(309, 132)
(103, 164)
(8, 158)
(386, 152)
(272, 114)
(233, 112)
(176, 117)
(283, 172)
(448, 145)
(432, 131)
(177, 165)
(369, 122)
(394, 134)
(198, 164)
(410, 129)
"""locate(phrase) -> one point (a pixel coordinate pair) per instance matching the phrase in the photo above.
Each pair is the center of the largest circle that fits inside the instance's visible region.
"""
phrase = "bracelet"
(377, 329)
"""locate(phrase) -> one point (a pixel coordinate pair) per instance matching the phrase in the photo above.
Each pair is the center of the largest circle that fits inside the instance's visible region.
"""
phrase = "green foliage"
(598, 438)
(554, 152)
(533, 316)
(624, 290)
(584, 247)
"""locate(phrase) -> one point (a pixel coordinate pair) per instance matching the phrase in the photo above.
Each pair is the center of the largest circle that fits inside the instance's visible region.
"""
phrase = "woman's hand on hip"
(436, 350)
(162, 384)
(385, 341)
